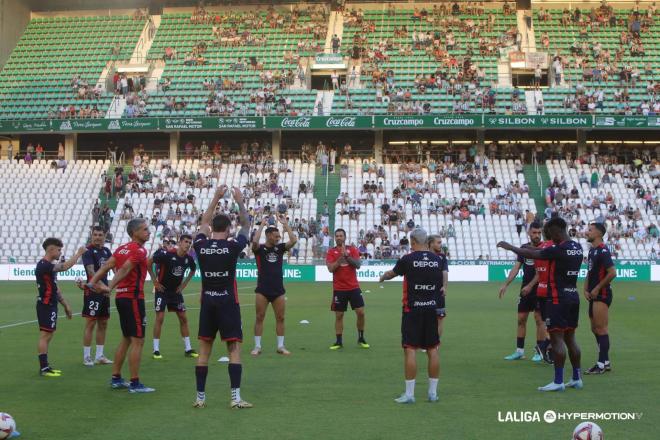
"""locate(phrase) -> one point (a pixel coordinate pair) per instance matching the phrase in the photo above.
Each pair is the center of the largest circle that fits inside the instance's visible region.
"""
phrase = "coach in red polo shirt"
(343, 262)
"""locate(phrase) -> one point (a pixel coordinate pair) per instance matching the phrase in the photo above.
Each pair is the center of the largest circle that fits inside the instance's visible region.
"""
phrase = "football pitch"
(321, 394)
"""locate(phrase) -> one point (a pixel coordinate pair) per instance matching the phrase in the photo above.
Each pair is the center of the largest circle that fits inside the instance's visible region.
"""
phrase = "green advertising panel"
(538, 121)
(27, 125)
(619, 121)
(318, 122)
(428, 121)
(292, 272)
(129, 124)
(217, 123)
(628, 271)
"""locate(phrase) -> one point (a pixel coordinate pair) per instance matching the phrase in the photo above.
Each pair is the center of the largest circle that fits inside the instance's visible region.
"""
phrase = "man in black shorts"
(96, 306)
(169, 283)
(527, 302)
(220, 312)
(563, 303)
(598, 291)
(270, 280)
(422, 271)
(49, 296)
(435, 245)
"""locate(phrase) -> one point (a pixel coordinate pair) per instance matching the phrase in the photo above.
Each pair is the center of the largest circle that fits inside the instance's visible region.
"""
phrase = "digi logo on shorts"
(425, 287)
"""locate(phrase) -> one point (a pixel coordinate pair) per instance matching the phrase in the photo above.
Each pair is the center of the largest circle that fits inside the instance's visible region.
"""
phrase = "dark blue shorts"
(563, 316)
(419, 329)
(341, 298)
(220, 316)
(440, 311)
(607, 299)
(527, 303)
(170, 301)
(270, 296)
(96, 306)
(47, 316)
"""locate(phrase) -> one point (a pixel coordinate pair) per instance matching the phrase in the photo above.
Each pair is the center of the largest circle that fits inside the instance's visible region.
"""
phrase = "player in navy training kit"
(422, 272)
(270, 280)
(598, 292)
(528, 301)
(96, 305)
(49, 296)
(435, 245)
(563, 304)
(220, 312)
(169, 283)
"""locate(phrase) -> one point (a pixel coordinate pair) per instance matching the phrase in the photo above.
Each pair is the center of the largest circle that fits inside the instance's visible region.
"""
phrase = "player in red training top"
(343, 262)
(129, 263)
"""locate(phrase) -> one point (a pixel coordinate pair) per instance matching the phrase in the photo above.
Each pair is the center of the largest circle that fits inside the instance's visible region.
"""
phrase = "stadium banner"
(625, 271)
(319, 122)
(538, 121)
(428, 121)
(215, 123)
(374, 271)
(130, 124)
(27, 125)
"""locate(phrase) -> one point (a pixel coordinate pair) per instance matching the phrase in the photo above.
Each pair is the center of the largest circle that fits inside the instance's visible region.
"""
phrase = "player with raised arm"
(96, 305)
(343, 262)
(270, 280)
(422, 271)
(169, 283)
(49, 296)
(527, 301)
(598, 291)
(434, 243)
(563, 306)
(129, 262)
(220, 312)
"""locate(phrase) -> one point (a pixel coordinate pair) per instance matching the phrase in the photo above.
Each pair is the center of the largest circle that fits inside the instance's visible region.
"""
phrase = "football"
(587, 431)
(7, 425)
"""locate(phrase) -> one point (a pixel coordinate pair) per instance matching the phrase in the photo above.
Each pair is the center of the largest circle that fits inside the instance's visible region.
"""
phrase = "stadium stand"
(174, 194)
(236, 64)
(624, 197)
(417, 61)
(607, 59)
(54, 69)
(44, 200)
(471, 206)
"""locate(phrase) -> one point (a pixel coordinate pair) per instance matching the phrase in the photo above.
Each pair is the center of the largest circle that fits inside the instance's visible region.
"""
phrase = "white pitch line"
(16, 324)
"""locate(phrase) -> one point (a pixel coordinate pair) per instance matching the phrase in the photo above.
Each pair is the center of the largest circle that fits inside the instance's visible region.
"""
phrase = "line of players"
(549, 290)
(424, 289)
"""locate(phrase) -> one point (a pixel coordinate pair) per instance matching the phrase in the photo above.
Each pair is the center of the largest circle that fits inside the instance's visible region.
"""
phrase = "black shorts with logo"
(527, 303)
(564, 315)
(132, 317)
(47, 316)
(607, 299)
(270, 296)
(96, 306)
(341, 298)
(171, 301)
(419, 329)
(220, 315)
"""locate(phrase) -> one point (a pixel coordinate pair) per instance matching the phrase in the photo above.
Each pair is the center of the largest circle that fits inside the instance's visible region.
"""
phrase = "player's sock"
(360, 335)
(201, 371)
(339, 339)
(235, 371)
(87, 352)
(186, 342)
(280, 341)
(433, 386)
(99, 351)
(520, 345)
(257, 341)
(576, 373)
(559, 375)
(410, 388)
(43, 361)
(156, 344)
(135, 381)
(116, 376)
(604, 349)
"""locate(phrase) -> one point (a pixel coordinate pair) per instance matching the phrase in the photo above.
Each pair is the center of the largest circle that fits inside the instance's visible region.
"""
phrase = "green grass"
(320, 394)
